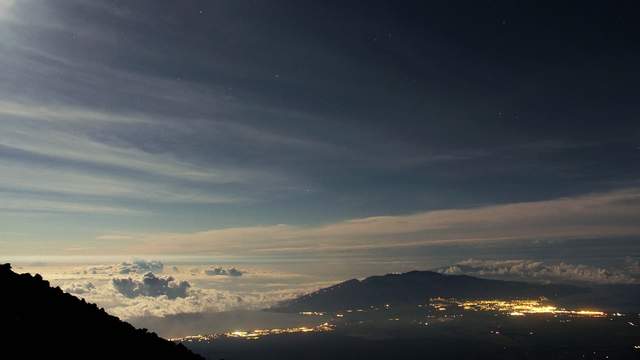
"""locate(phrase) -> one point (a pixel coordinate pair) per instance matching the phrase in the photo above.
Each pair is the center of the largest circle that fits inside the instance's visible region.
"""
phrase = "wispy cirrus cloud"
(98, 133)
(65, 114)
(99, 127)
(107, 110)
(30, 178)
(21, 204)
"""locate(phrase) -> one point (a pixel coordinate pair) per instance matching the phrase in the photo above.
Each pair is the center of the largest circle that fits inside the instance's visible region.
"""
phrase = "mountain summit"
(415, 287)
(39, 321)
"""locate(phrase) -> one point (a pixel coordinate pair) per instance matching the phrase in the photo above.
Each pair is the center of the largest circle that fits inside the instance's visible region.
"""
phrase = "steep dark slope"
(39, 321)
(416, 287)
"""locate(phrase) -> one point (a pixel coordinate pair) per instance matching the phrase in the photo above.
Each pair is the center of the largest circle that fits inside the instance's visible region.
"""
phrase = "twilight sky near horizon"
(313, 129)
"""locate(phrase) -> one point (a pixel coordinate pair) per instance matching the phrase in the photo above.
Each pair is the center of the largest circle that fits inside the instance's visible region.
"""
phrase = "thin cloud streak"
(57, 113)
(610, 214)
(14, 204)
(31, 179)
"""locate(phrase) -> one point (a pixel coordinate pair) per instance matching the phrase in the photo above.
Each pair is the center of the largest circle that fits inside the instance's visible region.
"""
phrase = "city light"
(256, 333)
(312, 313)
(515, 307)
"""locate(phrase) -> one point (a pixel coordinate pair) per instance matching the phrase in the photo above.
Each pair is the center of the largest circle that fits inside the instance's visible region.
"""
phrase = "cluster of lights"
(256, 334)
(195, 338)
(312, 313)
(520, 307)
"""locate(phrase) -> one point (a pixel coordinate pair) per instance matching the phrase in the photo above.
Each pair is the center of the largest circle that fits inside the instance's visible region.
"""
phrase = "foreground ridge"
(41, 321)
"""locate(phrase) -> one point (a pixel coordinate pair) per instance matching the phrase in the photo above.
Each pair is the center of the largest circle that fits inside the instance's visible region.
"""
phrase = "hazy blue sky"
(319, 128)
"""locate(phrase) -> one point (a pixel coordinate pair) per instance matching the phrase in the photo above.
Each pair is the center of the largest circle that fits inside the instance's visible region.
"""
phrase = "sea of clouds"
(142, 288)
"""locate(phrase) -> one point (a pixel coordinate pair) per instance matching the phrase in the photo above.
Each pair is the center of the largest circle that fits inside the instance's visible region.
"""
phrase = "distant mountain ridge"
(39, 321)
(415, 287)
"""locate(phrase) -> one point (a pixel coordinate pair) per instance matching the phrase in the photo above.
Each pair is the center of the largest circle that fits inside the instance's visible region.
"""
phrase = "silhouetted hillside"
(39, 321)
(416, 287)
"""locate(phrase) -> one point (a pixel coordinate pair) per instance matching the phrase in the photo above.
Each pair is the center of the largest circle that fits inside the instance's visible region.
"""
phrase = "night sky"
(306, 129)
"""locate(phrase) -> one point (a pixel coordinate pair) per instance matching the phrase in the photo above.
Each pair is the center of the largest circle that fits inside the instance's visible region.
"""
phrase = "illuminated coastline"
(516, 307)
(255, 334)
(312, 313)
(442, 309)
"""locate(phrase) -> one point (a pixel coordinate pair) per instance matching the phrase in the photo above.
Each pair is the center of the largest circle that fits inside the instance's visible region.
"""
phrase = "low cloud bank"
(629, 273)
(188, 290)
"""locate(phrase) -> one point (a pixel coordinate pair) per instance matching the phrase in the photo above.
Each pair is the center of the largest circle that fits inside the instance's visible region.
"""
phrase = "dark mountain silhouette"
(416, 287)
(39, 321)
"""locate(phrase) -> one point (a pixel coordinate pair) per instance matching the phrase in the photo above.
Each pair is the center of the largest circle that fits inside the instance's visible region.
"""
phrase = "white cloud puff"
(541, 271)
(140, 266)
(218, 271)
(152, 285)
(79, 288)
(127, 267)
